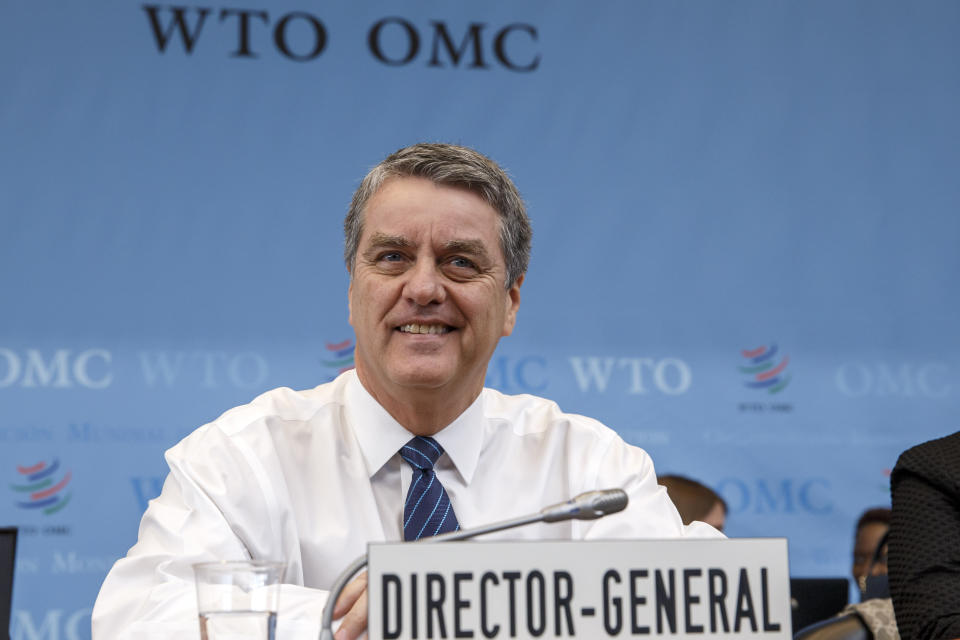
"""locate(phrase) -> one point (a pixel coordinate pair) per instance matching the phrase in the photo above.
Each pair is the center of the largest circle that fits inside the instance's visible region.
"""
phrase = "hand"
(352, 607)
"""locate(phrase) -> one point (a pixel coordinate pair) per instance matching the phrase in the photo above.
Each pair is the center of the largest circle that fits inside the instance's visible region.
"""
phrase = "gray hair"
(456, 166)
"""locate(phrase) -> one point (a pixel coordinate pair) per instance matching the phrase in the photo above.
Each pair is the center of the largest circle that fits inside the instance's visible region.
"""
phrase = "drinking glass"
(238, 600)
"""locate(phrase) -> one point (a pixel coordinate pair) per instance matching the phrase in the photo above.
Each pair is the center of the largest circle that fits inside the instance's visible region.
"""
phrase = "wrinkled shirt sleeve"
(150, 593)
(650, 513)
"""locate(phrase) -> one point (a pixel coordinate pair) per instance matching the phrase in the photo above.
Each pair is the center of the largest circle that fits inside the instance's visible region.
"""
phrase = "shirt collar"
(380, 436)
(462, 439)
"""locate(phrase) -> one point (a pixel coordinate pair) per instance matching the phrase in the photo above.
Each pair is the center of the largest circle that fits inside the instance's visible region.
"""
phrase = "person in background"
(695, 501)
(924, 556)
(873, 615)
(869, 550)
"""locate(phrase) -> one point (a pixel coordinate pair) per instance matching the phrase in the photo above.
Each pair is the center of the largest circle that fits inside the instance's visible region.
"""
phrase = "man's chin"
(429, 376)
(421, 381)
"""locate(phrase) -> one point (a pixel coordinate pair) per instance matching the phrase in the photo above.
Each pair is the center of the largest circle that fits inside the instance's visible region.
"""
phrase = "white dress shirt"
(310, 477)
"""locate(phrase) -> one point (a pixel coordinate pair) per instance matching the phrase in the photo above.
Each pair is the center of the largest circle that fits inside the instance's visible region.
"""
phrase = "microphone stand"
(586, 506)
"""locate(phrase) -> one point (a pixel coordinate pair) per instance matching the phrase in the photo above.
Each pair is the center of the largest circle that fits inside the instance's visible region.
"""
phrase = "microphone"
(586, 506)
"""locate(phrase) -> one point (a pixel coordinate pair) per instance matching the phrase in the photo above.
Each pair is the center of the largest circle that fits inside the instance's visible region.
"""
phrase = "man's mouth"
(425, 328)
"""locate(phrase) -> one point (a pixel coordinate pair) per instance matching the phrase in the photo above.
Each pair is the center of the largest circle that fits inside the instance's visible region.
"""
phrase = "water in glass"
(238, 625)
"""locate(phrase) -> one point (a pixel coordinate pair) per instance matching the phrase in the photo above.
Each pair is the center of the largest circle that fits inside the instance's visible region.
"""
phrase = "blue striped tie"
(427, 511)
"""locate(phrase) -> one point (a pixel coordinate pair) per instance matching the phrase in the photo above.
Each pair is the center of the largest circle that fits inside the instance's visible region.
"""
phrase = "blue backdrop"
(745, 254)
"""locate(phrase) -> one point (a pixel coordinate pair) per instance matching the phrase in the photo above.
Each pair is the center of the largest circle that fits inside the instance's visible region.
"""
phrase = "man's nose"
(424, 284)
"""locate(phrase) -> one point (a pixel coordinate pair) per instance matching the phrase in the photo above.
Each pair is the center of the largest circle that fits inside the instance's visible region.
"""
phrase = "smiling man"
(429, 299)
(409, 444)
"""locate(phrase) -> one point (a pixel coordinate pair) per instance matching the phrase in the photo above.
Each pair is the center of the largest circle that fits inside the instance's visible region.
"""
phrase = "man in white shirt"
(437, 244)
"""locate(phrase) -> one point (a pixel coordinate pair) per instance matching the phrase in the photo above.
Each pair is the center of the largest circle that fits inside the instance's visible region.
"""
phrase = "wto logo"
(61, 369)
(775, 496)
(762, 372)
(342, 357)
(39, 486)
(931, 380)
(392, 41)
(632, 376)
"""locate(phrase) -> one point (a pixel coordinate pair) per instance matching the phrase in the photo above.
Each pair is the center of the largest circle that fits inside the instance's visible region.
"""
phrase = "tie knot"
(421, 452)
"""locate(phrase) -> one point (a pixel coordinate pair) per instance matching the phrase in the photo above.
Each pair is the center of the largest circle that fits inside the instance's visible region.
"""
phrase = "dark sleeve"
(924, 551)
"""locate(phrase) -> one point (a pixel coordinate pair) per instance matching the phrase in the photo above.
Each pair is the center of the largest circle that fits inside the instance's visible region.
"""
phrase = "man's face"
(427, 296)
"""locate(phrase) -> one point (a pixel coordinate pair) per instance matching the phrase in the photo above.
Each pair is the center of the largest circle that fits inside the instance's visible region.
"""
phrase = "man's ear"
(513, 304)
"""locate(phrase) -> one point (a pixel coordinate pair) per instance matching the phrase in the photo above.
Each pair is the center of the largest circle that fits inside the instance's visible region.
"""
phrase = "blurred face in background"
(865, 545)
(716, 517)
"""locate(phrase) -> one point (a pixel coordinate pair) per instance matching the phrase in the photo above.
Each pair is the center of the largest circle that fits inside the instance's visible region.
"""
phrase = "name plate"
(598, 589)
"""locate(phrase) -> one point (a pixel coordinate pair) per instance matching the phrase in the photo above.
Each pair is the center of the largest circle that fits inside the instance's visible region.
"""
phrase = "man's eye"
(391, 261)
(462, 263)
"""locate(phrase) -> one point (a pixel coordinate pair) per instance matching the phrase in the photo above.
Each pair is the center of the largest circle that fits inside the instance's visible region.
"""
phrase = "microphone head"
(610, 500)
(588, 506)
